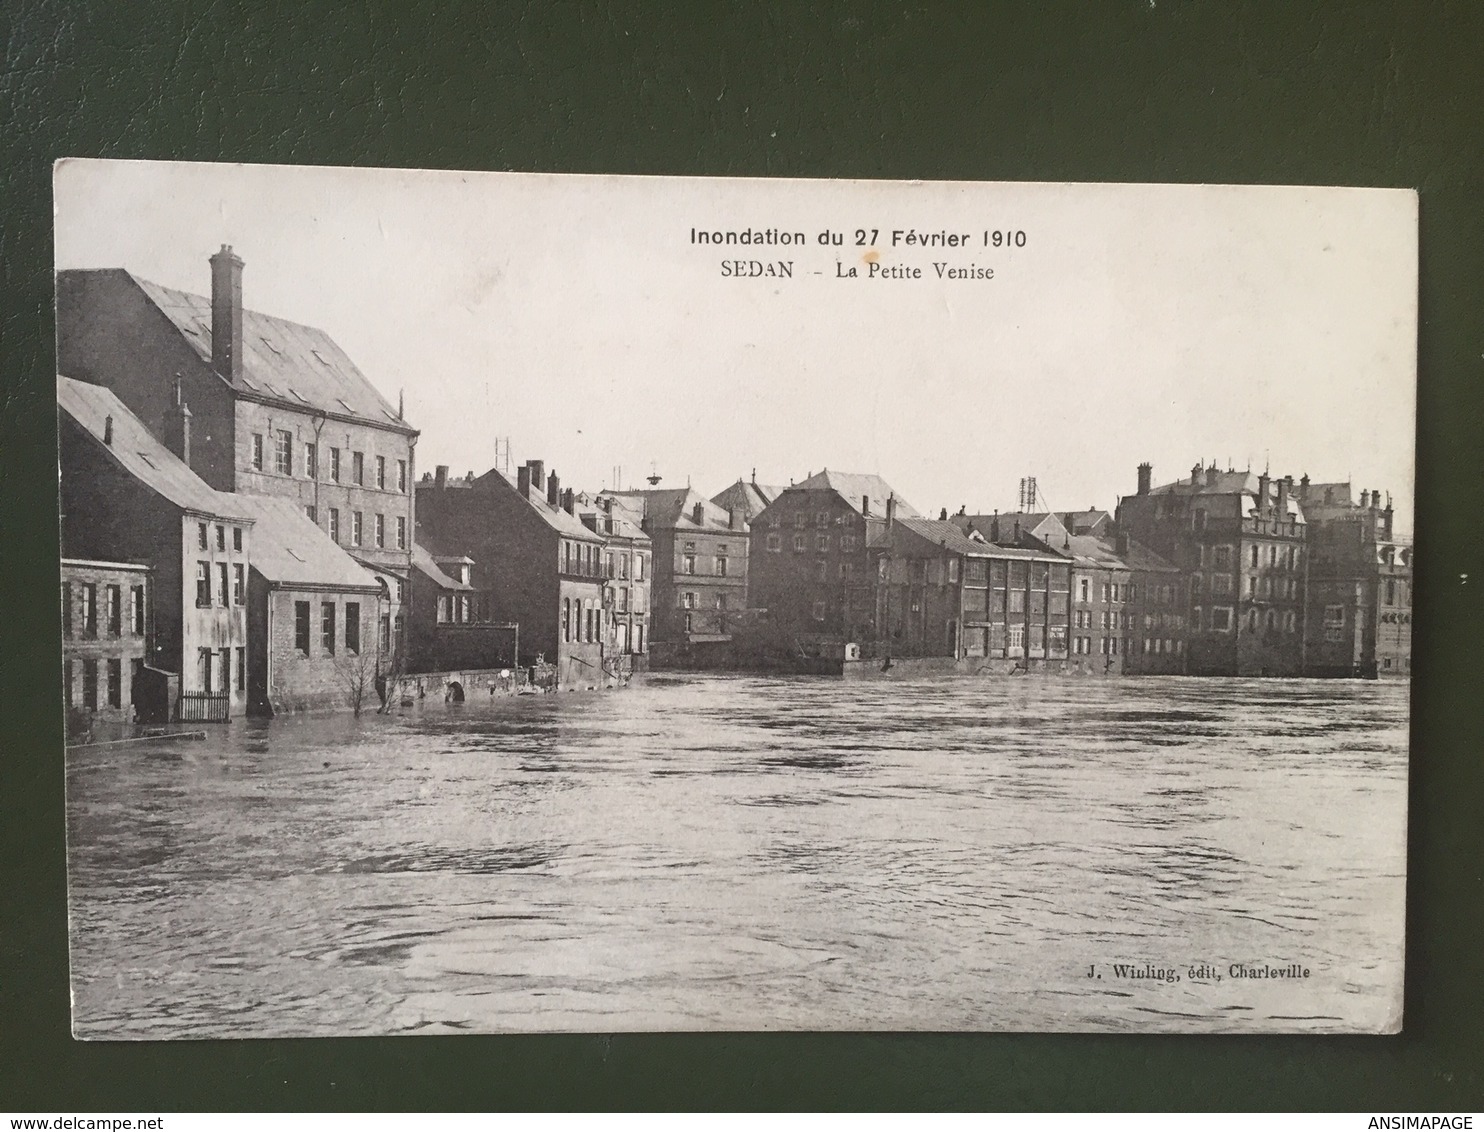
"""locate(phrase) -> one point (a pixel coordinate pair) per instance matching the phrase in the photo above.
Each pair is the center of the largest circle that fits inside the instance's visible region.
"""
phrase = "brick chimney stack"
(536, 471)
(698, 514)
(1263, 484)
(569, 501)
(440, 476)
(553, 490)
(178, 426)
(226, 314)
(1146, 478)
(1283, 486)
(891, 510)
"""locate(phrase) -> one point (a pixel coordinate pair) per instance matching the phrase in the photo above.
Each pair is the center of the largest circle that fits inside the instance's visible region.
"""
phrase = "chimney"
(1263, 484)
(1195, 473)
(734, 519)
(1304, 488)
(538, 474)
(178, 426)
(866, 506)
(553, 490)
(754, 477)
(891, 510)
(1283, 486)
(569, 502)
(1146, 478)
(943, 515)
(226, 314)
(522, 480)
(1211, 474)
(1375, 498)
(440, 477)
(1365, 499)
(108, 431)
(698, 514)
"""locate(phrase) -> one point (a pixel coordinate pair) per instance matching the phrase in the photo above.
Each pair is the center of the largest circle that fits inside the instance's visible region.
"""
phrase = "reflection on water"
(716, 852)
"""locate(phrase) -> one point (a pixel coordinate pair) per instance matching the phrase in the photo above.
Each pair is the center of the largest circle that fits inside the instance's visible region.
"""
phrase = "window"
(237, 539)
(721, 565)
(221, 537)
(335, 465)
(687, 600)
(226, 666)
(1390, 591)
(241, 669)
(352, 626)
(67, 609)
(386, 631)
(822, 518)
(358, 468)
(239, 584)
(381, 472)
(327, 626)
(381, 530)
(111, 603)
(311, 512)
(1195, 619)
(689, 622)
(822, 543)
(203, 537)
(283, 453)
(136, 610)
(638, 567)
(1334, 614)
(223, 587)
(566, 619)
(1107, 595)
(301, 626)
(1083, 588)
(402, 476)
(1221, 557)
(401, 532)
(775, 541)
(821, 570)
(721, 601)
(311, 461)
(356, 524)
(1017, 636)
(1254, 555)
(799, 543)
(819, 611)
(1221, 584)
(688, 564)
(801, 519)
(623, 599)
(1221, 619)
(203, 663)
(203, 585)
(257, 452)
(90, 685)
(335, 524)
(115, 683)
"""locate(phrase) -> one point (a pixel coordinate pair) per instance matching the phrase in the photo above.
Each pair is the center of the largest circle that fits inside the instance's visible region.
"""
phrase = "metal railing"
(203, 707)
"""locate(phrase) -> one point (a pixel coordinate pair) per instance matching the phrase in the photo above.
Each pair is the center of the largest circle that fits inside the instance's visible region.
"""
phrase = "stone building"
(105, 640)
(1240, 541)
(315, 617)
(542, 568)
(946, 593)
(262, 405)
(747, 496)
(1359, 606)
(126, 496)
(810, 563)
(1129, 607)
(699, 578)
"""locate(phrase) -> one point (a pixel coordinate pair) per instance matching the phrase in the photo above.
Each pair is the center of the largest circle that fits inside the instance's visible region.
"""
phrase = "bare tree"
(358, 670)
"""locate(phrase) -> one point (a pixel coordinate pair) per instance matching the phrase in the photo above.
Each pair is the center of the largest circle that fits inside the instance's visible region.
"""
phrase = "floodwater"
(755, 853)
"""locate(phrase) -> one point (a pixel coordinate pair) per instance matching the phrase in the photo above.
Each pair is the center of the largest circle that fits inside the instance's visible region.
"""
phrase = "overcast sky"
(1249, 325)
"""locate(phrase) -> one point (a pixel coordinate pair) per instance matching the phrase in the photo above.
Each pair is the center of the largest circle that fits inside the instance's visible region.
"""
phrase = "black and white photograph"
(504, 602)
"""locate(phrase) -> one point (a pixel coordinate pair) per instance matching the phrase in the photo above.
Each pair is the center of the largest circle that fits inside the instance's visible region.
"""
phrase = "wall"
(126, 646)
(284, 678)
(111, 333)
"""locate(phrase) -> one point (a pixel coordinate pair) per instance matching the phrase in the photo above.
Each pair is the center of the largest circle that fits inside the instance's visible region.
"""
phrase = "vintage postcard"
(499, 602)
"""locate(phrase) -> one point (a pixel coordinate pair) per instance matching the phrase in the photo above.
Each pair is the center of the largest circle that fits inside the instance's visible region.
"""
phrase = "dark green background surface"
(1152, 90)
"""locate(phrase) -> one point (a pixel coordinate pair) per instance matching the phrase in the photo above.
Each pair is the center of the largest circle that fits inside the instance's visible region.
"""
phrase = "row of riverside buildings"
(244, 529)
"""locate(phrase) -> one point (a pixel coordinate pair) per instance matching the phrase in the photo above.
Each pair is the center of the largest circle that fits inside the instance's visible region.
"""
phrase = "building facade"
(941, 592)
(1359, 605)
(1239, 539)
(628, 564)
(451, 624)
(124, 495)
(542, 568)
(811, 562)
(699, 578)
(105, 640)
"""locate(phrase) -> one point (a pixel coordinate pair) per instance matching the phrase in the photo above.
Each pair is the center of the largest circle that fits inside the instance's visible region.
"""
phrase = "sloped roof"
(289, 549)
(1044, 524)
(1244, 483)
(948, 535)
(1103, 553)
(141, 454)
(854, 487)
(675, 507)
(1092, 517)
(749, 496)
(554, 517)
(422, 560)
(296, 364)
